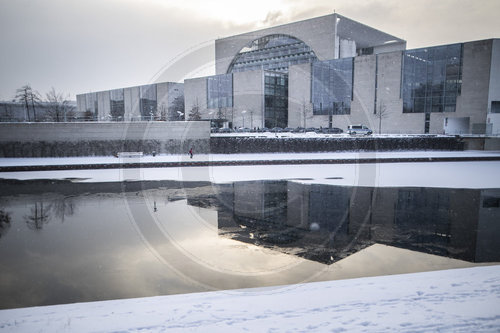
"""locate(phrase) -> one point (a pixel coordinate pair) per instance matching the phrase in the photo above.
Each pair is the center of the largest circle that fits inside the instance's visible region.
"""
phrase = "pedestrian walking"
(191, 152)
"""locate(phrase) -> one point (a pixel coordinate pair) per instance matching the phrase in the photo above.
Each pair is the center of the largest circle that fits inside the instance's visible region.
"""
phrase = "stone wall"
(101, 139)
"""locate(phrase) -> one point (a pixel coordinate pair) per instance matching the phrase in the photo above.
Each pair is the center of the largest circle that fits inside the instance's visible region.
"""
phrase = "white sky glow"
(82, 46)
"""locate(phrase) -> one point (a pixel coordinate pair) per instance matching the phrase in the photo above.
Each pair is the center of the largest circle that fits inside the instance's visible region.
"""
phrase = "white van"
(358, 129)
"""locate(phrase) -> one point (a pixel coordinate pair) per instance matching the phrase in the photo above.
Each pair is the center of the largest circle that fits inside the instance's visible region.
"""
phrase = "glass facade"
(117, 104)
(432, 79)
(220, 91)
(276, 99)
(91, 108)
(273, 52)
(331, 86)
(148, 104)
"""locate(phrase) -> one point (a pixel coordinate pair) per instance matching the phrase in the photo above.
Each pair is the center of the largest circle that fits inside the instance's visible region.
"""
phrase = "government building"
(328, 71)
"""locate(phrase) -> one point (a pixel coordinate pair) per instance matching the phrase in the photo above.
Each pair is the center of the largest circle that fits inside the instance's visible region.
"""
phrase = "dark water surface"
(62, 242)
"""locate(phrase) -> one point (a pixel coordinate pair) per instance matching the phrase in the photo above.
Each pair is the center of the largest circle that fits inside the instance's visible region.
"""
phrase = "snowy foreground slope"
(458, 300)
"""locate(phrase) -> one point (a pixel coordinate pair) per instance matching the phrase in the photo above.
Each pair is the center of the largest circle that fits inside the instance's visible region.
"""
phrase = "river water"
(64, 242)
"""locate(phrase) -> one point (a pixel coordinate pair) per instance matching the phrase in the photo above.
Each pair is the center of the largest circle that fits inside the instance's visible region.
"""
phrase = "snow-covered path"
(459, 300)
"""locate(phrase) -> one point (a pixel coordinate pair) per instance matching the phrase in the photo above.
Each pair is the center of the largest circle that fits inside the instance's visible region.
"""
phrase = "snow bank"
(459, 300)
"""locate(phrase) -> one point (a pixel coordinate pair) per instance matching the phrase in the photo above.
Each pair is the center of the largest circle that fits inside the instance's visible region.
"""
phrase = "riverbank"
(458, 300)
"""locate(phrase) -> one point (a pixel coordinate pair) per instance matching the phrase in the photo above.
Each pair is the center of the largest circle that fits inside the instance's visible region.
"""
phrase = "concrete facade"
(195, 95)
(248, 99)
(299, 96)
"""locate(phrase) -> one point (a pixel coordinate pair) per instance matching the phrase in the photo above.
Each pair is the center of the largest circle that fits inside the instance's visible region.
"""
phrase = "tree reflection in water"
(4, 222)
(43, 212)
(39, 215)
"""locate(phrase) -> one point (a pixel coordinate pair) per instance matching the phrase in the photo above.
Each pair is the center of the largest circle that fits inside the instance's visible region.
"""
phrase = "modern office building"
(331, 71)
(157, 101)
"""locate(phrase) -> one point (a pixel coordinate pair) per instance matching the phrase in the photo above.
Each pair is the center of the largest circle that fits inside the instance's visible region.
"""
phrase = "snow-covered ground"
(240, 157)
(474, 174)
(458, 300)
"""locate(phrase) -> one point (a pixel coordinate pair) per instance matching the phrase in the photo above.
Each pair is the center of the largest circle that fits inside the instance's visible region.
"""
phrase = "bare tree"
(304, 112)
(38, 216)
(195, 113)
(63, 207)
(5, 219)
(381, 113)
(162, 110)
(35, 98)
(176, 111)
(221, 114)
(88, 115)
(27, 96)
(59, 106)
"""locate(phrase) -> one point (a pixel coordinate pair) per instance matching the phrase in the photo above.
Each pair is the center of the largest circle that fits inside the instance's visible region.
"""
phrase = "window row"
(331, 86)
(220, 91)
(431, 79)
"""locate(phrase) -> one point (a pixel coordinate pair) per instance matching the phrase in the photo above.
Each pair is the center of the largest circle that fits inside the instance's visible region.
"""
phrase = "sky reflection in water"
(161, 238)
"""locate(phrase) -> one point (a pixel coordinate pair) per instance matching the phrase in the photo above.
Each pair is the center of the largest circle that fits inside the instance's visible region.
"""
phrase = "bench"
(130, 154)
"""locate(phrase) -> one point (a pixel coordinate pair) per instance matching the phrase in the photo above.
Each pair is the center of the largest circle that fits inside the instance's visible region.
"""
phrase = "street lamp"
(243, 114)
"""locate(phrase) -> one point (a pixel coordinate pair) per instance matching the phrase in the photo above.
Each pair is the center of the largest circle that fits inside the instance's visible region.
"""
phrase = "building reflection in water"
(327, 223)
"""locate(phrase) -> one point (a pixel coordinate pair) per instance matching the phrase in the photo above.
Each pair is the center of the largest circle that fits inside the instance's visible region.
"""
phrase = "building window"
(148, 105)
(491, 202)
(332, 83)
(432, 79)
(117, 104)
(274, 52)
(276, 99)
(220, 91)
(495, 106)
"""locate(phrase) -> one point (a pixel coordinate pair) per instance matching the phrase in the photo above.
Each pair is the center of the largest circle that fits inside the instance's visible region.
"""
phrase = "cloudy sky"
(77, 46)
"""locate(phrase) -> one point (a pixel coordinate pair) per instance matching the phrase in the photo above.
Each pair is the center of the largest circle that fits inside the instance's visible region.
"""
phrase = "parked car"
(243, 130)
(333, 130)
(359, 129)
(287, 129)
(276, 130)
(310, 129)
(298, 130)
(225, 130)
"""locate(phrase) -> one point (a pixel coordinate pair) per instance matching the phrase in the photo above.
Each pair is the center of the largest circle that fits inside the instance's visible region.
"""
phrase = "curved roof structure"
(328, 37)
(272, 52)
